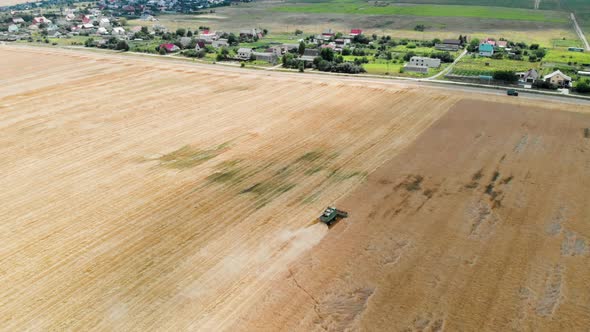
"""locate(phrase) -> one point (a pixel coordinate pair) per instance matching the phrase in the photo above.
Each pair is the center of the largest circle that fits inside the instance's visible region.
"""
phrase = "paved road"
(580, 32)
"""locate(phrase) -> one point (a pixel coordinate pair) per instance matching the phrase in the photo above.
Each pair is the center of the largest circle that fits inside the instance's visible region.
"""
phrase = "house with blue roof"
(486, 50)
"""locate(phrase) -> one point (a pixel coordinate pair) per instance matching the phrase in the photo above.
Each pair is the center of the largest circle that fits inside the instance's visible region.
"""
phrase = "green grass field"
(356, 7)
(565, 56)
(484, 66)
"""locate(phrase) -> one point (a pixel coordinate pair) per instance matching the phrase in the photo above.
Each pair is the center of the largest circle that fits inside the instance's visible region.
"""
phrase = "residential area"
(563, 67)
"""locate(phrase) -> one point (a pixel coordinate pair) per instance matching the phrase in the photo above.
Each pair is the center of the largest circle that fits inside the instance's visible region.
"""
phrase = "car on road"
(512, 92)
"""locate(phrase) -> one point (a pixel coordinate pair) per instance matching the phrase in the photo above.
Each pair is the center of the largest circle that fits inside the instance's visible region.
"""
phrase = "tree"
(505, 75)
(301, 67)
(301, 48)
(144, 30)
(189, 33)
(162, 50)
(123, 21)
(583, 86)
(89, 42)
(327, 54)
(444, 57)
(420, 27)
(264, 32)
(534, 46)
(180, 32)
(122, 46)
(409, 55)
(232, 39)
(298, 32)
(473, 45)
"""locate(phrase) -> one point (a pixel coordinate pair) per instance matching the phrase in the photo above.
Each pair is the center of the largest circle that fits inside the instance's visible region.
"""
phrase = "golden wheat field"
(140, 194)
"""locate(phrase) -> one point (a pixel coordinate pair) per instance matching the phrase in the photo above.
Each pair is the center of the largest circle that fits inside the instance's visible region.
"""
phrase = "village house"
(244, 53)
(416, 69)
(289, 47)
(424, 61)
(502, 44)
(266, 56)
(118, 31)
(558, 78)
(220, 43)
(529, 76)
(13, 28)
(199, 45)
(40, 20)
(310, 54)
(490, 41)
(209, 36)
(448, 45)
(355, 32)
(18, 20)
(102, 31)
(251, 33)
(276, 50)
(486, 50)
(169, 47)
(104, 22)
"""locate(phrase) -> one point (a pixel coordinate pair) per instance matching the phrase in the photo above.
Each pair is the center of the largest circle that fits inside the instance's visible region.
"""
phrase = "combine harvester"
(331, 215)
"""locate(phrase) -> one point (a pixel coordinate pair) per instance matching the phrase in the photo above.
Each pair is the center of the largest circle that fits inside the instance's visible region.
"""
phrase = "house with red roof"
(502, 44)
(170, 47)
(355, 32)
(490, 41)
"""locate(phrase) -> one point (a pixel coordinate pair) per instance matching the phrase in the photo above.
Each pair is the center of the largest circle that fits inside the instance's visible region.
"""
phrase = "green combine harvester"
(331, 214)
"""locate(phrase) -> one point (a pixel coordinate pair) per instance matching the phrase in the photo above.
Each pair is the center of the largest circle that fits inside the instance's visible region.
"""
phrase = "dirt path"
(449, 68)
(580, 32)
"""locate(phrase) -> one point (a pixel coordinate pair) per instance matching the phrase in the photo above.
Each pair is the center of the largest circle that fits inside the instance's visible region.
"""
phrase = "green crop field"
(355, 7)
(565, 56)
(484, 66)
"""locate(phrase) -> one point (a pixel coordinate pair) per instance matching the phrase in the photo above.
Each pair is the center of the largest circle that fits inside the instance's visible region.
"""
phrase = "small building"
(102, 31)
(104, 22)
(575, 49)
(490, 41)
(355, 32)
(276, 50)
(118, 31)
(416, 69)
(244, 53)
(220, 43)
(40, 20)
(314, 52)
(502, 44)
(529, 76)
(289, 47)
(584, 73)
(266, 56)
(448, 45)
(486, 50)
(13, 28)
(250, 32)
(18, 20)
(169, 47)
(87, 26)
(185, 41)
(424, 61)
(558, 78)
(328, 33)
